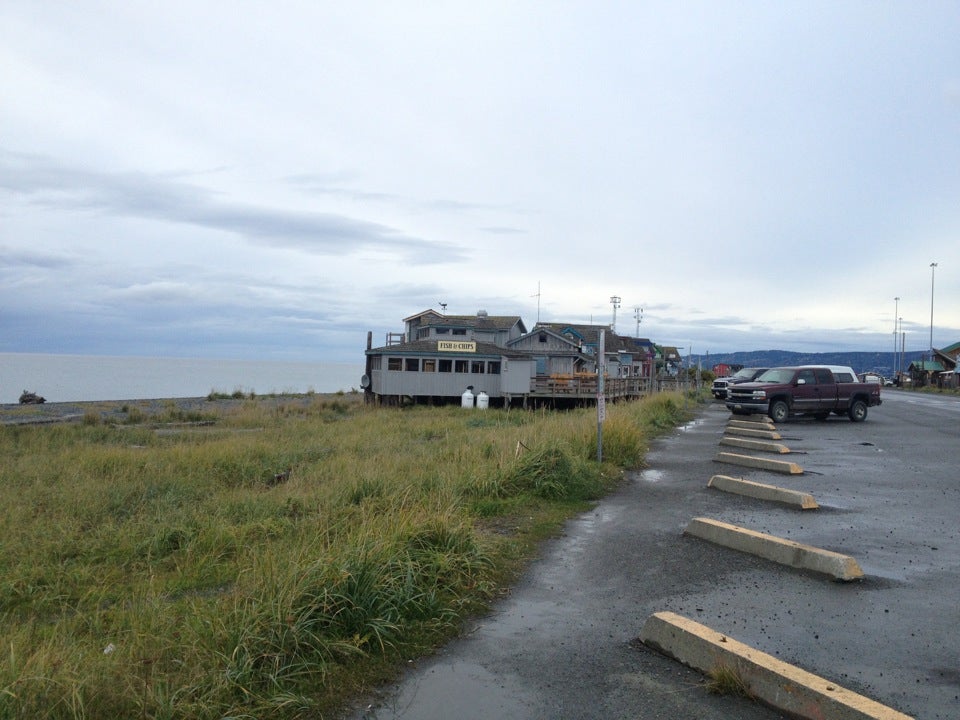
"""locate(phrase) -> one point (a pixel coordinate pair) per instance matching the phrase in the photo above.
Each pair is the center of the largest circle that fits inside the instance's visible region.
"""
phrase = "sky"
(274, 180)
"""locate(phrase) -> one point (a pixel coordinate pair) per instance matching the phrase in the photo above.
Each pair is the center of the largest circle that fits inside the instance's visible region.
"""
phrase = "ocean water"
(73, 378)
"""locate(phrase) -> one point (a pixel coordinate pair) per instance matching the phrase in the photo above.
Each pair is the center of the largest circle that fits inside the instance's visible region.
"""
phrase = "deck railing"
(585, 386)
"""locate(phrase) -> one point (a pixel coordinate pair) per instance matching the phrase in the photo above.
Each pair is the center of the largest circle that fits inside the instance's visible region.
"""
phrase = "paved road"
(563, 644)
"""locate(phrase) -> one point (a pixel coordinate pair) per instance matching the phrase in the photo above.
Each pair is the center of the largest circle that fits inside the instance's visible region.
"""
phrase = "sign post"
(601, 395)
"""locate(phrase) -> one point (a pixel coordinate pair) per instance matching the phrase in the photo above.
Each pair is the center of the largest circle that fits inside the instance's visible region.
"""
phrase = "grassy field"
(273, 559)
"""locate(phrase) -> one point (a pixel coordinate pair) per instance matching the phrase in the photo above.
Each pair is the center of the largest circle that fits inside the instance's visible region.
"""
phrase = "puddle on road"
(457, 690)
(691, 425)
(527, 616)
(652, 476)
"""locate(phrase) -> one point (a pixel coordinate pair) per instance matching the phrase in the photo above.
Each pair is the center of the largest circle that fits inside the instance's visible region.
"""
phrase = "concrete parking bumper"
(780, 466)
(785, 552)
(751, 432)
(761, 491)
(761, 423)
(758, 445)
(772, 681)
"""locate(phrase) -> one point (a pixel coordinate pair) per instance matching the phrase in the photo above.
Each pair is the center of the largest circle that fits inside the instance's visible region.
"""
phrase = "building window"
(429, 365)
(445, 366)
(394, 364)
(461, 366)
(493, 367)
(459, 331)
(443, 331)
(477, 367)
(412, 365)
(423, 333)
(543, 337)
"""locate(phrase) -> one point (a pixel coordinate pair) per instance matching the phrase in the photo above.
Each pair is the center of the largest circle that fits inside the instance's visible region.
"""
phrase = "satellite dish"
(365, 382)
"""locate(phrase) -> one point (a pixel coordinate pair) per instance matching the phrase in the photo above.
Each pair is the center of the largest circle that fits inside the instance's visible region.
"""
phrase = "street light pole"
(896, 311)
(933, 269)
(903, 347)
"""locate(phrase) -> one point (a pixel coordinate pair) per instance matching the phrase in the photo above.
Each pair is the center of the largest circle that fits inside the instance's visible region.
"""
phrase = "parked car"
(719, 388)
(816, 390)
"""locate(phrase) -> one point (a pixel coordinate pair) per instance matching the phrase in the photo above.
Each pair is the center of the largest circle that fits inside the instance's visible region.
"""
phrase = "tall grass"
(279, 559)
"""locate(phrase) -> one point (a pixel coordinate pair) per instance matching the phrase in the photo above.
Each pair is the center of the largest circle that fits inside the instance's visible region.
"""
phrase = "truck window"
(807, 376)
(824, 376)
(844, 377)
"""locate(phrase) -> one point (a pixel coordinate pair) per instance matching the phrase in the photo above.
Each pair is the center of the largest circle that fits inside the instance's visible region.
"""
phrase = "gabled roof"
(950, 349)
(948, 360)
(480, 321)
(574, 343)
(630, 344)
(421, 314)
(590, 334)
(926, 365)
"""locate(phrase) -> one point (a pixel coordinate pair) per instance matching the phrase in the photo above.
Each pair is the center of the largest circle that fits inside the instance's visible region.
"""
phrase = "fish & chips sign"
(457, 346)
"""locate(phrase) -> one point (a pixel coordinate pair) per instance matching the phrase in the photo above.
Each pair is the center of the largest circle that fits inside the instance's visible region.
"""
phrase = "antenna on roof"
(443, 306)
(638, 314)
(537, 296)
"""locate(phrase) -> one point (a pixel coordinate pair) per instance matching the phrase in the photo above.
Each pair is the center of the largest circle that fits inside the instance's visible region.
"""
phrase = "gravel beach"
(118, 411)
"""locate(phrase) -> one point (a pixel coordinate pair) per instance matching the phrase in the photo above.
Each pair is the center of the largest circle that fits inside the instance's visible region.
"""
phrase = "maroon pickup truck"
(816, 390)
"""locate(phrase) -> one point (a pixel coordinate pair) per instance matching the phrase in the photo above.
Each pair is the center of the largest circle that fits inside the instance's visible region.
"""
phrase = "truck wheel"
(858, 411)
(779, 411)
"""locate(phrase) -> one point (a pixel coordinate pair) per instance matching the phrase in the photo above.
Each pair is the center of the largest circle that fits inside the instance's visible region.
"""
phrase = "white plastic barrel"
(483, 400)
(466, 400)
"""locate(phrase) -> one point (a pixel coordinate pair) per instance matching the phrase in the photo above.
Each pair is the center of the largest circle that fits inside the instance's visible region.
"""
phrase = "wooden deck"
(584, 387)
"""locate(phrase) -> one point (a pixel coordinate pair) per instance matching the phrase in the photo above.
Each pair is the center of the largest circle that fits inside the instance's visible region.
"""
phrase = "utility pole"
(903, 349)
(933, 269)
(601, 394)
(896, 310)
(615, 301)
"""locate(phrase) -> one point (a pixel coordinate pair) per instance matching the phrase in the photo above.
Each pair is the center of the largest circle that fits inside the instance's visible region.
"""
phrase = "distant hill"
(878, 362)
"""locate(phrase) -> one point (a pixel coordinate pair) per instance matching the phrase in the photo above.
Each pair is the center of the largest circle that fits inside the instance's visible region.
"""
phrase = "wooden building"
(438, 357)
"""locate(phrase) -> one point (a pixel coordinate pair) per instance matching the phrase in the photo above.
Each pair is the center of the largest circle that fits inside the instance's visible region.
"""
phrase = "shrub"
(554, 473)
(725, 680)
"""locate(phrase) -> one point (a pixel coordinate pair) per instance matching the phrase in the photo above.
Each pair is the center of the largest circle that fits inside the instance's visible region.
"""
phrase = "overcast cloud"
(273, 180)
